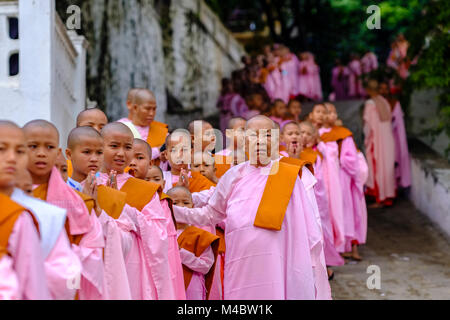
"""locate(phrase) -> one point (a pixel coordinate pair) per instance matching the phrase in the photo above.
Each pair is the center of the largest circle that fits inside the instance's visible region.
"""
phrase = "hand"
(293, 150)
(184, 179)
(90, 189)
(163, 156)
(112, 180)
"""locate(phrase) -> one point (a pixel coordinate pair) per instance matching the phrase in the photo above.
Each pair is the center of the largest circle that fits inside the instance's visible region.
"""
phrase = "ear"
(152, 163)
(68, 154)
(59, 152)
(164, 184)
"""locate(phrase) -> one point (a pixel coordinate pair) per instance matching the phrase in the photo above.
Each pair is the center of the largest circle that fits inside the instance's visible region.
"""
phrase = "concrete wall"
(430, 191)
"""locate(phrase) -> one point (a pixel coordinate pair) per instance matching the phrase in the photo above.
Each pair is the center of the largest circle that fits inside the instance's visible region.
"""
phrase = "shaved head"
(146, 146)
(131, 94)
(153, 167)
(140, 96)
(77, 134)
(234, 121)
(8, 124)
(116, 127)
(43, 124)
(94, 112)
(260, 119)
(193, 123)
(177, 189)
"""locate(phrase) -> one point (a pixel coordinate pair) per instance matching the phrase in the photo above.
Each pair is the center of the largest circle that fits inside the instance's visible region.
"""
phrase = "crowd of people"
(131, 210)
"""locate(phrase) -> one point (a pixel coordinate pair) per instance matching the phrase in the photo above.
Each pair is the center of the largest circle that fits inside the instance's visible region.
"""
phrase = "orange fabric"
(196, 240)
(10, 211)
(41, 192)
(139, 192)
(111, 201)
(310, 155)
(169, 200)
(221, 234)
(69, 168)
(277, 193)
(88, 200)
(299, 162)
(222, 164)
(336, 134)
(157, 134)
(199, 183)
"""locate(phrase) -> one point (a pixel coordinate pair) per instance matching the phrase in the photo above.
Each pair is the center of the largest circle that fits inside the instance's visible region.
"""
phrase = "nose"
(11, 156)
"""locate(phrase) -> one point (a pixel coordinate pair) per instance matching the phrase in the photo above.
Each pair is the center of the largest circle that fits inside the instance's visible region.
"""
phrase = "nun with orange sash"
(272, 218)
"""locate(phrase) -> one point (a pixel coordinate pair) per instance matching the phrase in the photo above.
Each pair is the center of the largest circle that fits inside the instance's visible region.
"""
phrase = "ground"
(411, 252)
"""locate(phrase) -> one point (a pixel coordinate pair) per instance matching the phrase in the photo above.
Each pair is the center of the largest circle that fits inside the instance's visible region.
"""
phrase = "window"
(14, 64)
(13, 28)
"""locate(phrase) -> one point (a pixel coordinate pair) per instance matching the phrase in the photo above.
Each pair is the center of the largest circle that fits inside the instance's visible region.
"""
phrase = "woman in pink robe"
(369, 62)
(9, 285)
(355, 86)
(403, 163)
(380, 146)
(309, 81)
(339, 81)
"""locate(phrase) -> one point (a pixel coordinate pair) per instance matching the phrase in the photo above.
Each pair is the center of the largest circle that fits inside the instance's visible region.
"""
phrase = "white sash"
(133, 129)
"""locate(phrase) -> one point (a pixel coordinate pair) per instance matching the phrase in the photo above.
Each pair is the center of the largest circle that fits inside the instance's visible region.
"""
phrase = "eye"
(32, 146)
(50, 147)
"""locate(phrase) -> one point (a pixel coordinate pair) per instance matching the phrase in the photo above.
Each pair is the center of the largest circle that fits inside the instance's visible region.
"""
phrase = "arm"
(349, 157)
(201, 264)
(9, 285)
(201, 198)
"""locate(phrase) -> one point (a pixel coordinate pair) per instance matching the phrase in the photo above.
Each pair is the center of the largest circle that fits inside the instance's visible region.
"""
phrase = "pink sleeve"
(155, 153)
(201, 198)
(90, 253)
(201, 264)
(349, 157)
(9, 285)
(61, 265)
(25, 249)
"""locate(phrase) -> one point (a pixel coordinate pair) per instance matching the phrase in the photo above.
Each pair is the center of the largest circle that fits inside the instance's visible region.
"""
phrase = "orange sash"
(221, 234)
(111, 201)
(199, 183)
(222, 164)
(157, 134)
(277, 193)
(10, 211)
(336, 134)
(41, 192)
(310, 155)
(139, 192)
(196, 240)
(169, 200)
(69, 168)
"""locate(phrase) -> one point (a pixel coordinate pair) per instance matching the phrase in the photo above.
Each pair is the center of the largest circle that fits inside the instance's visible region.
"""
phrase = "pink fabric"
(331, 177)
(148, 264)
(238, 107)
(403, 164)
(90, 248)
(277, 120)
(332, 257)
(61, 265)
(28, 263)
(251, 272)
(143, 132)
(309, 82)
(277, 86)
(355, 86)
(223, 104)
(380, 152)
(290, 72)
(9, 284)
(369, 62)
(339, 82)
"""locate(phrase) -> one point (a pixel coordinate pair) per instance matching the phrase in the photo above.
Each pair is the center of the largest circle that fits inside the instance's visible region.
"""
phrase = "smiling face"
(140, 164)
(42, 144)
(118, 150)
(13, 156)
(291, 134)
(86, 156)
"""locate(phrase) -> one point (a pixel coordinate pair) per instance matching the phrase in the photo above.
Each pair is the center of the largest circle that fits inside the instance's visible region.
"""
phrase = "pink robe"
(355, 86)
(200, 267)
(359, 202)
(380, 152)
(277, 85)
(403, 164)
(9, 284)
(251, 272)
(223, 104)
(331, 177)
(150, 257)
(332, 257)
(28, 262)
(339, 82)
(291, 75)
(238, 106)
(369, 62)
(90, 248)
(61, 263)
(309, 84)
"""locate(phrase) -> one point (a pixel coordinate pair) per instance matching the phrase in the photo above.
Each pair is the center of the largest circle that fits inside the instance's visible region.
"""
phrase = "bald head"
(94, 118)
(204, 124)
(131, 94)
(116, 127)
(143, 146)
(261, 121)
(42, 125)
(8, 124)
(140, 96)
(236, 122)
(77, 135)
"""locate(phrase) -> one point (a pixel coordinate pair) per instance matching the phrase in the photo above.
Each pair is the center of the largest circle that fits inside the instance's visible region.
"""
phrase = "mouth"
(10, 170)
(119, 162)
(40, 165)
(93, 168)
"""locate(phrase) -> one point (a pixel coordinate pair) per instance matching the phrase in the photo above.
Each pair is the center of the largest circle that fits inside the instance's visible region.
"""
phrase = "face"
(257, 101)
(13, 155)
(145, 112)
(384, 89)
(259, 141)
(154, 175)
(205, 168)
(94, 119)
(237, 133)
(87, 156)
(118, 151)
(319, 115)
(24, 182)
(332, 115)
(61, 165)
(280, 109)
(181, 198)
(207, 137)
(295, 108)
(179, 152)
(42, 145)
(291, 134)
(141, 161)
(307, 136)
